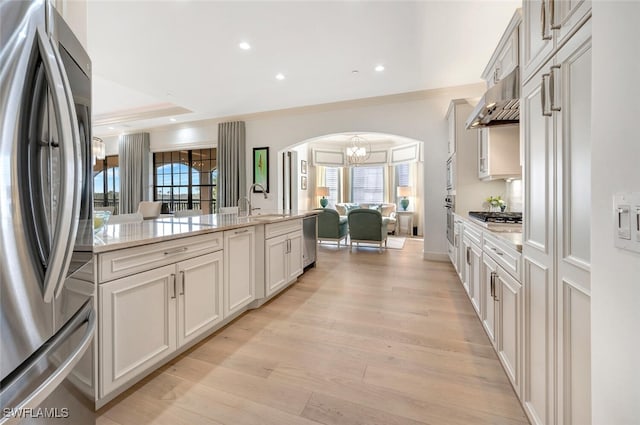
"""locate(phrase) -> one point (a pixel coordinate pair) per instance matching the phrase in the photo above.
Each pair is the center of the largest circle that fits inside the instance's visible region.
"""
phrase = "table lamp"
(404, 191)
(323, 191)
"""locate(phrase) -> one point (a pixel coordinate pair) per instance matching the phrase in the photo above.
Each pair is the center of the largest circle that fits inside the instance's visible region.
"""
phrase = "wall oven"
(451, 171)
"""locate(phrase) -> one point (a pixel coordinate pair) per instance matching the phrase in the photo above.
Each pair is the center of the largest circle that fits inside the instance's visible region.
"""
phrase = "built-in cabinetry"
(556, 117)
(547, 25)
(239, 269)
(504, 297)
(499, 152)
(505, 58)
(147, 315)
(283, 254)
(473, 264)
(492, 280)
(158, 299)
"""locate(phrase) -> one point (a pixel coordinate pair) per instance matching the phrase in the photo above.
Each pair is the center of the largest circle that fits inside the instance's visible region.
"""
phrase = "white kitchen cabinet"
(459, 257)
(499, 152)
(548, 24)
(509, 298)
(239, 269)
(199, 295)
(473, 272)
(451, 140)
(506, 56)
(489, 310)
(556, 110)
(145, 317)
(137, 324)
(283, 254)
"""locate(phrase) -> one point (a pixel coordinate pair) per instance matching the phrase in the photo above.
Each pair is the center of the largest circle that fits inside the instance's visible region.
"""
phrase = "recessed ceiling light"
(112, 128)
(280, 76)
(379, 68)
(244, 45)
(172, 119)
(355, 71)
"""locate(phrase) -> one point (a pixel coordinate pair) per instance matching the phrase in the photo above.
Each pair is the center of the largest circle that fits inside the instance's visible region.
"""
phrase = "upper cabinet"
(499, 152)
(505, 58)
(548, 24)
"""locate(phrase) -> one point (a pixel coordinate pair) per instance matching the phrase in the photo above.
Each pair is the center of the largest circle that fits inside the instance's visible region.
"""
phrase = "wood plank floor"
(364, 338)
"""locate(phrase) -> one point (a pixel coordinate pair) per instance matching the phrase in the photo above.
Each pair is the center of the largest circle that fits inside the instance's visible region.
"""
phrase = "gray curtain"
(133, 160)
(232, 174)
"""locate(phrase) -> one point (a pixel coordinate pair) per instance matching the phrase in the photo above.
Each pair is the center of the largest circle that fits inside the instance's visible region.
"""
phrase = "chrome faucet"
(248, 198)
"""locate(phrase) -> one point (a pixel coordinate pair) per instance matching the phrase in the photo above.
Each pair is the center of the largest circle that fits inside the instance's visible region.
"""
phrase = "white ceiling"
(155, 60)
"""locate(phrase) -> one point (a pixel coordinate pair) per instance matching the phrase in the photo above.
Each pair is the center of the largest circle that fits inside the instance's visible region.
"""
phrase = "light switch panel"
(626, 220)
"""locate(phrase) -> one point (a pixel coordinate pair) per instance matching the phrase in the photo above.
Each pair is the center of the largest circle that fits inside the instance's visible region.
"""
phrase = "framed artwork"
(303, 182)
(261, 168)
(303, 167)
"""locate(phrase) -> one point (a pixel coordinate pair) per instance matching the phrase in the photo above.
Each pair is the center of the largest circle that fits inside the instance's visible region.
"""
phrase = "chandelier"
(358, 151)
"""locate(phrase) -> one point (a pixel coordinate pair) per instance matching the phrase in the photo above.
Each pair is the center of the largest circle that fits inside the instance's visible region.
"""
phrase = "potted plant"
(496, 204)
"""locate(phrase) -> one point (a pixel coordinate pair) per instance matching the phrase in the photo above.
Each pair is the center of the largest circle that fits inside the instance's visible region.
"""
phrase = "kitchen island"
(166, 284)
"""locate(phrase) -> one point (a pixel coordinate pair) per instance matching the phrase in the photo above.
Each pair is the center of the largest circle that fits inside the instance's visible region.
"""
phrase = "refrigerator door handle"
(65, 230)
(34, 399)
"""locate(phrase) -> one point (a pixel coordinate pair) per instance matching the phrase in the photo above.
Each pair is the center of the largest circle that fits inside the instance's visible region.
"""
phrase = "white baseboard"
(436, 256)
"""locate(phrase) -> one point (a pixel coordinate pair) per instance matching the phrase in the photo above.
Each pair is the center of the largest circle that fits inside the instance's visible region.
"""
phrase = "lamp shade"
(322, 191)
(404, 191)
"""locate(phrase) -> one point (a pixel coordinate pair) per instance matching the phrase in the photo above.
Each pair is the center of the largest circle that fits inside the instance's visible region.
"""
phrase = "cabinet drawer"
(124, 262)
(276, 229)
(473, 233)
(508, 258)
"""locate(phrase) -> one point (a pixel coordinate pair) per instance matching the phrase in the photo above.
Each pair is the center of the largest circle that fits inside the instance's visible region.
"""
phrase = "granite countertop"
(119, 236)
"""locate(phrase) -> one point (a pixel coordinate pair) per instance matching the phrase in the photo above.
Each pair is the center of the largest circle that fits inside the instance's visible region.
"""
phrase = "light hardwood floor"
(364, 338)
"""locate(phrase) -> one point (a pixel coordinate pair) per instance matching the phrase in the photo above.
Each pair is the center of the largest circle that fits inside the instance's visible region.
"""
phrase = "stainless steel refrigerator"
(47, 290)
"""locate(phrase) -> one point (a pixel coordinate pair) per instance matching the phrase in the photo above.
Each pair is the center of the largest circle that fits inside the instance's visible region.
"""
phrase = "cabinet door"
(489, 310)
(199, 295)
(538, 251)
(239, 269)
(275, 260)
(537, 43)
(475, 264)
(509, 293)
(573, 97)
(295, 256)
(567, 15)
(508, 58)
(137, 324)
(467, 276)
(483, 150)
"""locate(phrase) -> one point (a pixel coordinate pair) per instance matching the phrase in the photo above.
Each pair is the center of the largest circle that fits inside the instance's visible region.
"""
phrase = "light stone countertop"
(119, 236)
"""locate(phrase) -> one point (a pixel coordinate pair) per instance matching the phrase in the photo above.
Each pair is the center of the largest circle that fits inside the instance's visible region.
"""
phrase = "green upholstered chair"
(331, 227)
(367, 225)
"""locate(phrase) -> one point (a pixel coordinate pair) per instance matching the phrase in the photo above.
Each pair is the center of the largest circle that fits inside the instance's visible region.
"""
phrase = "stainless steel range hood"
(499, 105)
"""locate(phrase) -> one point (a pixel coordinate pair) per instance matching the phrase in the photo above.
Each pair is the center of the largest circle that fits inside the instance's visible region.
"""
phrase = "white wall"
(615, 274)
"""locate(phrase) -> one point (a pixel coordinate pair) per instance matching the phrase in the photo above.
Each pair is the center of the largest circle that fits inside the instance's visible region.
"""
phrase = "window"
(106, 183)
(402, 174)
(367, 184)
(186, 179)
(332, 181)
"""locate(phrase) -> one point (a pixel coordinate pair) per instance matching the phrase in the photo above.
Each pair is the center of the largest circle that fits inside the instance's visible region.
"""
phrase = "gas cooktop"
(497, 217)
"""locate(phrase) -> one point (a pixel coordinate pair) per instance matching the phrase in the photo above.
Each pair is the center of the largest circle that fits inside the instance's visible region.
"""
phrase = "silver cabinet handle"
(173, 284)
(543, 96)
(176, 251)
(495, 289)
(552, 89)
(237, 232)
(543, 19)
(552, 17)
(468, 255)
(492, 286)
(182, 278)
